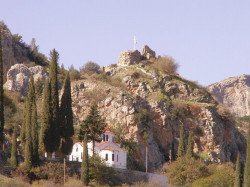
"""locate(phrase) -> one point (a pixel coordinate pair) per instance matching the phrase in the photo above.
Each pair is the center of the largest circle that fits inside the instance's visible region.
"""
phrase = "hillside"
(234, 92)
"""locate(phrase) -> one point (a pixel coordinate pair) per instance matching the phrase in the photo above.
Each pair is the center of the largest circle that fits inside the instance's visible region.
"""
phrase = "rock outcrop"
(235, 93)
(147, 52)
(169, 101)
(129, 58)
(18, 77)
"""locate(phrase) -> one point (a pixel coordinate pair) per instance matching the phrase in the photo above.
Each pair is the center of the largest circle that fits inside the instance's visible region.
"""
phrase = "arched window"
(103, 138)
(107, 157)
(113, 157)
(107, 137)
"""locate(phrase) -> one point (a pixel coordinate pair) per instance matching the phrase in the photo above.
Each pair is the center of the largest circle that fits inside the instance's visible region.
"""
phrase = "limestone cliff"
(234, 92)
(134, 87)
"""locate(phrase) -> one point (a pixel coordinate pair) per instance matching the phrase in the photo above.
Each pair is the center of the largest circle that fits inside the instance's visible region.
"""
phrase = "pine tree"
(55, 141)
(247, 163)
(237, 182)
(66, 117)
(34, 134)
(45, 132)
(85, 163)
(1, 94)
(94, 125)
(181, 147)
(190, 145)
(13, 158)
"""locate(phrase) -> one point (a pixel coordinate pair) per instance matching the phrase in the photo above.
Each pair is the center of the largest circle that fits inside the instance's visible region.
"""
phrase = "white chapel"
(107, 149)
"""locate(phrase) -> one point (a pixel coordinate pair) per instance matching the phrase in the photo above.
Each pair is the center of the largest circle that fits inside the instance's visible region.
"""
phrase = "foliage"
(55, 139)
(166, 64)
(34, 134)
(238, 174)
(66, 114)
(13, 158)
(34, 54)
(181, 147)
(93, 125)
(224, 112)
(39, 87)
(9, 182)
(247, 163)
(186, 170)
(85, 163)
(190, 145)
(142, 117)
(1, 93)
(90, 67)
(219, 176)
(101, 174)
(74, 74)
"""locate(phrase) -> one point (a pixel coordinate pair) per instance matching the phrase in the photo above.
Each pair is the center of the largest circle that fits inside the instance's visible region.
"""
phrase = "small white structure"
(110, 151)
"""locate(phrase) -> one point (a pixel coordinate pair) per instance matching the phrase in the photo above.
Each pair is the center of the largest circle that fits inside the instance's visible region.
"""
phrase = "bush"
(166, 64)
(100, 173)
(185, 170)
(221, 176)
(90, 67)
(224, 112)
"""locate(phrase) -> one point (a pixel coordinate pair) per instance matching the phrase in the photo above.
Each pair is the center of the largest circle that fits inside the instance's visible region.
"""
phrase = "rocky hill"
(15, 51)
(149, 105)
(234, 92)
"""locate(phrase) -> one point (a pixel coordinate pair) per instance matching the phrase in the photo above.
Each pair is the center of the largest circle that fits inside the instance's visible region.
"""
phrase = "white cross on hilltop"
(135, 42)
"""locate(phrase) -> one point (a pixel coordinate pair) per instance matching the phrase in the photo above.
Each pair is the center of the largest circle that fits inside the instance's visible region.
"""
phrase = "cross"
(135, 42)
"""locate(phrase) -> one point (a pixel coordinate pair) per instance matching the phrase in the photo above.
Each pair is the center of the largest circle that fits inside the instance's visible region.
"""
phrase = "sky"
(209, 39)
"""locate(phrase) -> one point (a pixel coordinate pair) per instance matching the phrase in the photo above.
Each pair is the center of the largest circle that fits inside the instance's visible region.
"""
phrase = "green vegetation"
(142, 117)
(90, 67)
(1, 94)
(93, 125)
(166, 64)
(39, 87)
(13, 158)
(181, 147)
(85, 163)
(238, 174)
(74, 74)
(247, 163)
(66, 117)
(190, 145)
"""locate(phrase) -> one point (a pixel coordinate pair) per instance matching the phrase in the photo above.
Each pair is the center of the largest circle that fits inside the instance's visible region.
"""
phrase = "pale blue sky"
(210, 39)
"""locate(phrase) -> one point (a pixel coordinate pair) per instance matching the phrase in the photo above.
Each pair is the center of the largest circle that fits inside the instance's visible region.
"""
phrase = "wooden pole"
(146, 159)
(64, 165)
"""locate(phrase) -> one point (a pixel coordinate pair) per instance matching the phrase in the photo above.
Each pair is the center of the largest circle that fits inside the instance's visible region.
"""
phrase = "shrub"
(166, 64)
(185, 170)
(90, 67)
(100, 173)
(224, 112)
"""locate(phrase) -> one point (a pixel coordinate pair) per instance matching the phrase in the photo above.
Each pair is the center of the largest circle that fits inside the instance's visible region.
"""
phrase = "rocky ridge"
(234, 92)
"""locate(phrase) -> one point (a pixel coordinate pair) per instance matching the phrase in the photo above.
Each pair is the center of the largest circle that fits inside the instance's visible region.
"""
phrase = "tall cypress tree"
(66, 116)
(54, 101)
(181, 147)
(46, 124)
(13, 158)
(94, 126)
(237, 182)
(190, 145)
(1, 94)
(85, 163)
(34, 134)
(247, 163)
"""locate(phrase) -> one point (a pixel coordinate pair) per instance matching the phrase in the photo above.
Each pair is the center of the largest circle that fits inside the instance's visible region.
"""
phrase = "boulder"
(18, 77)
(147, 53)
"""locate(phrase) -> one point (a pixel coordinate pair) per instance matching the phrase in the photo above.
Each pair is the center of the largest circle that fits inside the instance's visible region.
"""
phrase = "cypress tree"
(181, 147)
(55, 141)
(66, 116)
(13, 158)
(190, 145)
(39, 87)
(1, 94)
(85, 163)
(45, 132)
(23, 128)
(237, 182)
(34, 134)
(94, 125)
(247, 163)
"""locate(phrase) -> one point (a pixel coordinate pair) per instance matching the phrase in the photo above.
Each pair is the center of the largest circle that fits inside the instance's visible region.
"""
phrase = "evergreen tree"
(1, 94)
(55, 141)
(190, 145)
(237, 182)
(181, 147)
(34, 134)
(94, 126)
(66, 117)
(23, 128)
(45, 132)
(85, 163)
(13, 158)
(247, 163)
(39, 87)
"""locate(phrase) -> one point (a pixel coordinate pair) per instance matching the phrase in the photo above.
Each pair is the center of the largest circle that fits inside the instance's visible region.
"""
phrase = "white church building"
(107, 149)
